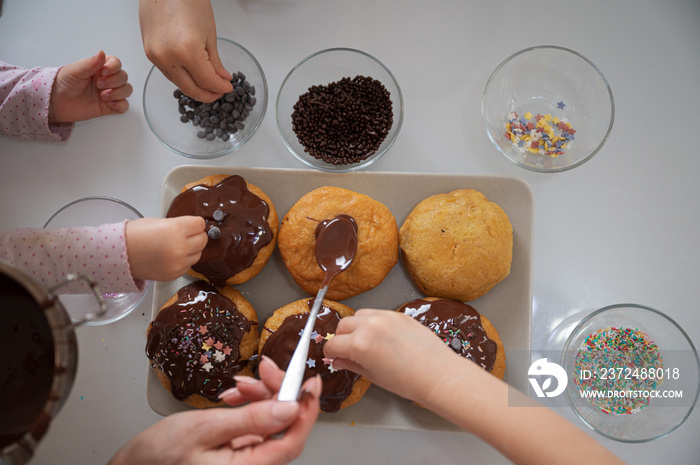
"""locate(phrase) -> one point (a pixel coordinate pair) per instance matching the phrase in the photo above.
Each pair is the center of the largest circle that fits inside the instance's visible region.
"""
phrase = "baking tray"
(508, 305)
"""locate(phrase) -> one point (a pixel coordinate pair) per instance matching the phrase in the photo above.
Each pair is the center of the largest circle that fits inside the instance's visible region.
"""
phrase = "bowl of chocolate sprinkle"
(339, 110)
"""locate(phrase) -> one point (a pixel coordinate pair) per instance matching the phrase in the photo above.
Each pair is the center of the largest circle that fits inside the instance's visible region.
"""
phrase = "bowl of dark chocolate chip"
(207, 130)
(339, 110)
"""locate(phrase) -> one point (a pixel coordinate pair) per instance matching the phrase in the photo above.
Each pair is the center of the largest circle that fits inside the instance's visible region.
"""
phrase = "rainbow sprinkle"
(540, 134)
(614, 360)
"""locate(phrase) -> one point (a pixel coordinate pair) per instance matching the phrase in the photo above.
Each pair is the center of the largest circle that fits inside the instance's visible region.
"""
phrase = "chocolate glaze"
(336, 245)
(27, 364)
(243, 230)
(458, 325)
(195, 341)
(280, 345)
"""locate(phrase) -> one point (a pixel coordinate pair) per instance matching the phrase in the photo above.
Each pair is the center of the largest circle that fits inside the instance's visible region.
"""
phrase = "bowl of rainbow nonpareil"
(633, 373)
(548, 109)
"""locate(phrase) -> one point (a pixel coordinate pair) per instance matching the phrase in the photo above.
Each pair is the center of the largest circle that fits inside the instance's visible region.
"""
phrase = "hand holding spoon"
(336, 245)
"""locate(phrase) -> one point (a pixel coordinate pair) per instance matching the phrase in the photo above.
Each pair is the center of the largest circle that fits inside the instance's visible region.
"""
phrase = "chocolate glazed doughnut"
(200, 339)
(463, 330)
(241, 222)
(341, 388)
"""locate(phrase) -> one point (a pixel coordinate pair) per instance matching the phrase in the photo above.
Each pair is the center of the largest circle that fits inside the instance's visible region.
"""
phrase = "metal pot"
(38, 360)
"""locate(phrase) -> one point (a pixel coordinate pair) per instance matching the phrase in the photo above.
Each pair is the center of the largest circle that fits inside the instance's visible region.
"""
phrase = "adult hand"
(163, 249)
(403, 343)
(88, 88)
(232, 435)
(179, 37)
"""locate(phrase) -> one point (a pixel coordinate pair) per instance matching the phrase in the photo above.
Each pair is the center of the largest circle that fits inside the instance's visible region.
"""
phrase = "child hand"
(163, 249)
(91, 87)
(179, 37)
(386, 347)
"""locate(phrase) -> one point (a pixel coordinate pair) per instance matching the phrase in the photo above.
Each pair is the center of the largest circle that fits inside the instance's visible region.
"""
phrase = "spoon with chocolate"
(336, 245)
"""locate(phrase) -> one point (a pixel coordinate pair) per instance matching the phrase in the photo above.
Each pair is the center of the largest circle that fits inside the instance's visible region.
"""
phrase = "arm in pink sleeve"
(24, 104)
(48, 255)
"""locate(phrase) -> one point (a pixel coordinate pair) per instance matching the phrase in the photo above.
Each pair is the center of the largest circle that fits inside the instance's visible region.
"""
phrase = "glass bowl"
(635, 363)
(95, 211)
(548, 109)
(161, 108)
(323, 69)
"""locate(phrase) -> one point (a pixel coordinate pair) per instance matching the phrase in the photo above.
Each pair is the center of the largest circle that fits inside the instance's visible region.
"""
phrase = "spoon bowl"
(336, 246)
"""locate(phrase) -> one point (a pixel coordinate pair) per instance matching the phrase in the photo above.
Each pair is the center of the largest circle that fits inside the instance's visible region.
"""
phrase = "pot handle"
(70, 278)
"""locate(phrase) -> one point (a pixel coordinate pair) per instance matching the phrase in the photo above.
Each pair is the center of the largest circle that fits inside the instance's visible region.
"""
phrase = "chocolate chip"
(214, 233)
(218, 215)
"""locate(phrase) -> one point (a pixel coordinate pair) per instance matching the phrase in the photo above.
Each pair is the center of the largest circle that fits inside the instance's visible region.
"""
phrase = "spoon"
(336, 245)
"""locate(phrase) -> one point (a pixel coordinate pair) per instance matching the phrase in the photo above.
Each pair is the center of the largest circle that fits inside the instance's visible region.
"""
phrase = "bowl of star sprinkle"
(548, 109)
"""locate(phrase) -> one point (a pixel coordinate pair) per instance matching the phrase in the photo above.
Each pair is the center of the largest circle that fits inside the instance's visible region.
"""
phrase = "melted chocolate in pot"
(458, 325)
(195, 342)
(26, 364)
(280, 345)
(242, 228)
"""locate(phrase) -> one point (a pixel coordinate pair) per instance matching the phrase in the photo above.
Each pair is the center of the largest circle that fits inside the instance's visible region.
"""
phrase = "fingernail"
(245, 379)
(269, 360)
(317, 386)
(228, 393)
(312, 390)
(284, 411)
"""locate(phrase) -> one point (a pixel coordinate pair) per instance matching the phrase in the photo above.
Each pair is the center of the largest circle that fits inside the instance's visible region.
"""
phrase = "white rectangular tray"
(508, 305)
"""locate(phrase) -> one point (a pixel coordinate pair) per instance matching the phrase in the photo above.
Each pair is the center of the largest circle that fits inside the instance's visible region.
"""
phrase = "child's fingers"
(118, 106)
(113, 81)
(184, 81)
(196, 243)
(112, 66)
(190, 225)
(120, 93)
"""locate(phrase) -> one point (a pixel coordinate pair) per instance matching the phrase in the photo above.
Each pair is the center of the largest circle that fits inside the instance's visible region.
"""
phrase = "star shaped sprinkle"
(227, 351)
(561, 105)
(203, 359)
(314, 335)
(209, 341)
(528, 115)
(331, 369)
(219, 356)
(219, 345)
(319, 339)
(208, 366)
(329, 336)
(202, 330)
(311, 363)
(205, 346)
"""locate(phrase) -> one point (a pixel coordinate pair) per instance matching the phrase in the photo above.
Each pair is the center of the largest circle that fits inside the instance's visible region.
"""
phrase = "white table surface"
(621, 228)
